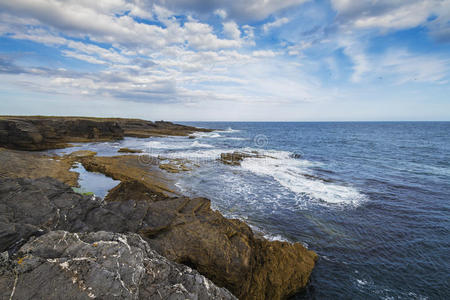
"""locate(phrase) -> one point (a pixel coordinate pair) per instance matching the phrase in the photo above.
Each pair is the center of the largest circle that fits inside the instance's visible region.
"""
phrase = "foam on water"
(212, 134)
(295, 175)
(176, 145)
(230, 130)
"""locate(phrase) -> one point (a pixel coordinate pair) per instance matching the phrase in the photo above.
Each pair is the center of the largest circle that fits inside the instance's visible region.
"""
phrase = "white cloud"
(298, 48)
(221, 13)
(277, 23)
(243, 11)
(409, 67)
(193, 63)
(231, 30)
(398, 66)
(389, 14)
(112, 26)
(264, 53)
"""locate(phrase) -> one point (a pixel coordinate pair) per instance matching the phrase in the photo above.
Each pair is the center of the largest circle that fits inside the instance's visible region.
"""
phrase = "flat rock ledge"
(102, 265)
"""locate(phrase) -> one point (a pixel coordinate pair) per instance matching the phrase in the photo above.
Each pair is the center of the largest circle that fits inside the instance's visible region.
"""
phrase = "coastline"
(182, 229)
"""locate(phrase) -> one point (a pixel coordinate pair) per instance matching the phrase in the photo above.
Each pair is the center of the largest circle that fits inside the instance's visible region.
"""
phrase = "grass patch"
(82, 192)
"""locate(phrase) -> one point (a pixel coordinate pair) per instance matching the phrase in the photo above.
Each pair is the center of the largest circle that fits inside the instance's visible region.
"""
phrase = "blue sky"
(255, 60)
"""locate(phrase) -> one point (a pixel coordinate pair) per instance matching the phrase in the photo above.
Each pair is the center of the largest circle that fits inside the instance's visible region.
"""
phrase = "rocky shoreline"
(135, 240)
(43, 133)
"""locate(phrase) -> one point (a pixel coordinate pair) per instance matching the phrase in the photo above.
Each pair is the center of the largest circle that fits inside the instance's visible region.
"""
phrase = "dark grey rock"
(38, 261)
(102, 265)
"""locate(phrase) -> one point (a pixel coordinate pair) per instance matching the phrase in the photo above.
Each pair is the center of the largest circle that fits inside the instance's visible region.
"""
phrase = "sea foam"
(296, 175)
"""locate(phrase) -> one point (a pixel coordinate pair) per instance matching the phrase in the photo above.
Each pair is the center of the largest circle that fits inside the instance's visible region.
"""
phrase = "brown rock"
(175, 165)
(80, 154)
(131, 167)
(225, 250)
(127, 150)
(41, 133)
(235, 158)
(16, 164)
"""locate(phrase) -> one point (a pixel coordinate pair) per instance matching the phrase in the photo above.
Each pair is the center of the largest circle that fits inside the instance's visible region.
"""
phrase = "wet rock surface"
(102, 265)
(41, 133)
(182, 229)
(235, 158)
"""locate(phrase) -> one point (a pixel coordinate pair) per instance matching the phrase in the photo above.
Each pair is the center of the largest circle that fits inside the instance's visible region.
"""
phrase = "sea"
(371, 198)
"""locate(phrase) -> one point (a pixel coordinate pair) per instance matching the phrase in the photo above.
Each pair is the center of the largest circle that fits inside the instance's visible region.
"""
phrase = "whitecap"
(290, 173)
(196, 144)
(212, 134)
(175, 145)
(230, 130)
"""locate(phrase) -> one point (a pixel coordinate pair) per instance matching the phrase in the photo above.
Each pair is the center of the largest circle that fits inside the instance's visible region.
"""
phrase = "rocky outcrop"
(185, 230)
(41, 133)
(38, 133)
(128, 150)
(235, 158)
(102, 265)
(141, 128)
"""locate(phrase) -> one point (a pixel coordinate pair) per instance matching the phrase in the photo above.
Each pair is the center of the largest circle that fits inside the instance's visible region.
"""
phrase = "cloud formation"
(196, 53)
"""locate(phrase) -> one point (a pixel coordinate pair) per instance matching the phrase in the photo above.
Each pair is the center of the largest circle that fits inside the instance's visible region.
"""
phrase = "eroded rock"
(235, 158)
(185, 230)
(102, 265)
(42, 133)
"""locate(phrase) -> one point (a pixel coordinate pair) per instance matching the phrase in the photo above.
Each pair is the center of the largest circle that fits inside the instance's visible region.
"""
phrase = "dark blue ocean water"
(376, 207)
(372, 199)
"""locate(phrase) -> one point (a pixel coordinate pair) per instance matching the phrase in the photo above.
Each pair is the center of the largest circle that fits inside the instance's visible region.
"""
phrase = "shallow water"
(92, 182)
(371, 198)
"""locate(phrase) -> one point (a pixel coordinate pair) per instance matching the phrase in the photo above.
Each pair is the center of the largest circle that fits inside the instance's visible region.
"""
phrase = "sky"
(221, 60)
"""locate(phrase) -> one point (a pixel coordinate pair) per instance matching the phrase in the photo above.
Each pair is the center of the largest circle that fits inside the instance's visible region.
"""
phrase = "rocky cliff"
(41, 133)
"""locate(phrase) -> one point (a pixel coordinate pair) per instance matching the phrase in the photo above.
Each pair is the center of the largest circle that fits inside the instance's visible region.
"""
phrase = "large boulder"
(102, 265)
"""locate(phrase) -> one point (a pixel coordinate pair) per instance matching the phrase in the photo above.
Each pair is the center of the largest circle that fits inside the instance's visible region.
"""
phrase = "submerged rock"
(185, 230)
(103, 265)
(296, 155)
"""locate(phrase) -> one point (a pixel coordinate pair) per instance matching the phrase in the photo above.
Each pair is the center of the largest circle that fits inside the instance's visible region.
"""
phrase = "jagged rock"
(102, 265)
(41, 133)
(235, 158)
(185, 230)
(133, 190)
